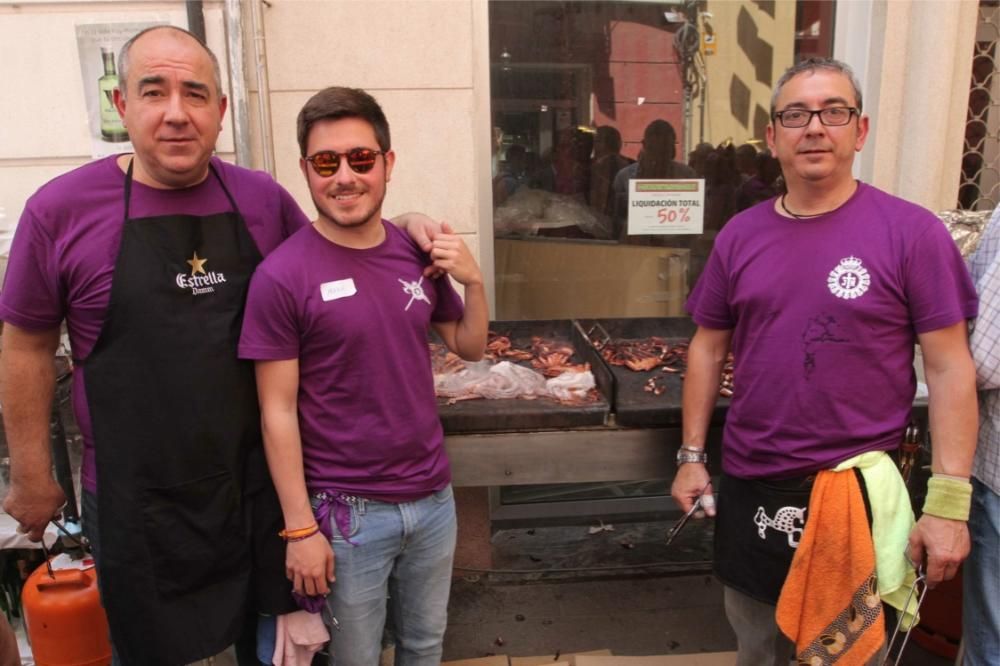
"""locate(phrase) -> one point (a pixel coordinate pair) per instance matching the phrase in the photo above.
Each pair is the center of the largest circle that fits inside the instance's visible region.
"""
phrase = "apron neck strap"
(211, 167)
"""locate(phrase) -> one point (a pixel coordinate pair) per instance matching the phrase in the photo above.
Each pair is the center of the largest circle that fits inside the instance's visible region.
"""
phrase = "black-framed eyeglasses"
(327, 162)
(832, 116)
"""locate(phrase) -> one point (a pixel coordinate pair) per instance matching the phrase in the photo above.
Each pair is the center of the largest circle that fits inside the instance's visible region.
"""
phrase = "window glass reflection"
(588, 96)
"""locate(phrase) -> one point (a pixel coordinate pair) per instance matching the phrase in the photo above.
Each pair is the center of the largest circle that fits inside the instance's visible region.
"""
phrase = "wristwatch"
(689, 454)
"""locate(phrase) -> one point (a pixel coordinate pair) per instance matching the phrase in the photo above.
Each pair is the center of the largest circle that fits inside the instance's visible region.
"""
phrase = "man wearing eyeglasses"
(337, 322)
(147, 256)
(821, 294)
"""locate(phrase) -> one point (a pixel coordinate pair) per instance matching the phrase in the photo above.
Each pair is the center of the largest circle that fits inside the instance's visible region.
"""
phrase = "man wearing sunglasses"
(337, 322)
(147, 257)
(821, 294)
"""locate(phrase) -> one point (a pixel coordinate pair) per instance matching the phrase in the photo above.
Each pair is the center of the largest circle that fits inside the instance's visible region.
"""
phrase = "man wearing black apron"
(172, 414)
(174, 429)
(147, 257)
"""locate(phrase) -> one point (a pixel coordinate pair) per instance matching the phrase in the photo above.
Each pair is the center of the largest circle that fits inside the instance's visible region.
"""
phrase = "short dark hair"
(337, 102)
(659, 147)
(811, 65)
(660, 136)
(610, 137)
(125, 59)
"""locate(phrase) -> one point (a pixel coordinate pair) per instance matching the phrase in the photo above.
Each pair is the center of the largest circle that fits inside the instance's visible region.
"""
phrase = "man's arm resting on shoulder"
(467, 336)
(706, 358)
(308, 562)
(421, 228)
(951, 383)
(27, 387)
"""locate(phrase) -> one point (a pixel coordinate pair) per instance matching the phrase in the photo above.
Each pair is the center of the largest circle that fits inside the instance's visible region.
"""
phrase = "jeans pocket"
(353, 522)
(443, 496)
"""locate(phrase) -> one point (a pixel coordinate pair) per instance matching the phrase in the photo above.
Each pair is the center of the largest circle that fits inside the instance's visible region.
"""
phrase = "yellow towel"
(829, 605)
(892, 521)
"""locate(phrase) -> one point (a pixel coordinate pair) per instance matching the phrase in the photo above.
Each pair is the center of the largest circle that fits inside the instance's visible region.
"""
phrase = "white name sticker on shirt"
(331, 291)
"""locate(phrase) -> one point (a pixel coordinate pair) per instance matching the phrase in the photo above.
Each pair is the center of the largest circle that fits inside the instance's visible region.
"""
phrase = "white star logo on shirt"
(415, 290)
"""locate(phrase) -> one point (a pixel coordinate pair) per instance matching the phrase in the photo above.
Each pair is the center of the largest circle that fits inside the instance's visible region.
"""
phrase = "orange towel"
(829, 605)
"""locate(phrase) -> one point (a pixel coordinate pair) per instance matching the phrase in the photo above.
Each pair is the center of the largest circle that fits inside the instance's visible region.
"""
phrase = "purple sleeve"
(708, 303)
(31, 297)
(938, 286)
(449, 303)
(270, 328)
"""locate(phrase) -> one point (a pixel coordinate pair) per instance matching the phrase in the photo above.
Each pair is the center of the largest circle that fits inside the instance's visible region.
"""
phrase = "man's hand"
(423, 230)
(941, 544)
(309, 565)
(451, 255)
(33, 505)
(692, 480)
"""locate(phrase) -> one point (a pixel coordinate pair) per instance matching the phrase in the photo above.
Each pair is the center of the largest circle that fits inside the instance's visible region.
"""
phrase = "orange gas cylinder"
(64, 618)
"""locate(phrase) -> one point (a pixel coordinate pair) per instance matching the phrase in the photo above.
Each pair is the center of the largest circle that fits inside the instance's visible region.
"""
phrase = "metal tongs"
(919, 588)
(679, 525)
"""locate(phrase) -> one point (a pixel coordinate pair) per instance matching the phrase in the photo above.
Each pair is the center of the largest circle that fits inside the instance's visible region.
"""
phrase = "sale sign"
(666, 206)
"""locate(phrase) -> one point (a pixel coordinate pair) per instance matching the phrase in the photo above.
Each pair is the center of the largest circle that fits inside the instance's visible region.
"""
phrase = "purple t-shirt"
(824, 314)
(66, 243)
(357, 320)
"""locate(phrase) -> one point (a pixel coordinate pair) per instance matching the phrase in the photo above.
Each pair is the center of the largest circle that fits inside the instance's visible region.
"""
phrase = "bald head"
(179, 33)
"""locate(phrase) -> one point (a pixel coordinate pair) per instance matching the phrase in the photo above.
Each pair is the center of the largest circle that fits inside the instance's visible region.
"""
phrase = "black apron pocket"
(757, 530)
(194, 533)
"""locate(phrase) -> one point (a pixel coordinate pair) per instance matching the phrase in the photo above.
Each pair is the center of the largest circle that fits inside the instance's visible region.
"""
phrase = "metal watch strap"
(686, 454)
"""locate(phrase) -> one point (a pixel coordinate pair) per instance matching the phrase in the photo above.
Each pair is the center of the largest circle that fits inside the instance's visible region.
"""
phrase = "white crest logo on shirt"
(415, 290)
(849, 279)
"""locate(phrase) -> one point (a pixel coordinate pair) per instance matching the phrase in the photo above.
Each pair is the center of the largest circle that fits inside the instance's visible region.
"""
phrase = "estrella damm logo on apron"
(200, 281)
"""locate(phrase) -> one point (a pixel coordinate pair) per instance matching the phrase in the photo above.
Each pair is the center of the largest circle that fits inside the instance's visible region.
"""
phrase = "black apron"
(758, 526)
(177, 437)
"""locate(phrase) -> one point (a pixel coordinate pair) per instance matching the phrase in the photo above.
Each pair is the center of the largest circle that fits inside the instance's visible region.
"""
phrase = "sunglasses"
(327, 162)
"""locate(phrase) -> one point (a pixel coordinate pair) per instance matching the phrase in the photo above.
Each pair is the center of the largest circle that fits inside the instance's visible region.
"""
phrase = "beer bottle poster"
(99, 45)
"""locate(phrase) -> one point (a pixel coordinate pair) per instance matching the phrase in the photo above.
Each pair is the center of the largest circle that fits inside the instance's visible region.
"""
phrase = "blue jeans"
(403, 552)
(981, 580)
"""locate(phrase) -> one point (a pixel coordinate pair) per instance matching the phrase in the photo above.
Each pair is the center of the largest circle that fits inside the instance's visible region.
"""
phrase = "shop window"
(586, 96)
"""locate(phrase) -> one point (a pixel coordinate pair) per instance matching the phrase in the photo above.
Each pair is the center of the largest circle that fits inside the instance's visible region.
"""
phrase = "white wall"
(44, 131)
(425, 61)
(914, 59)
